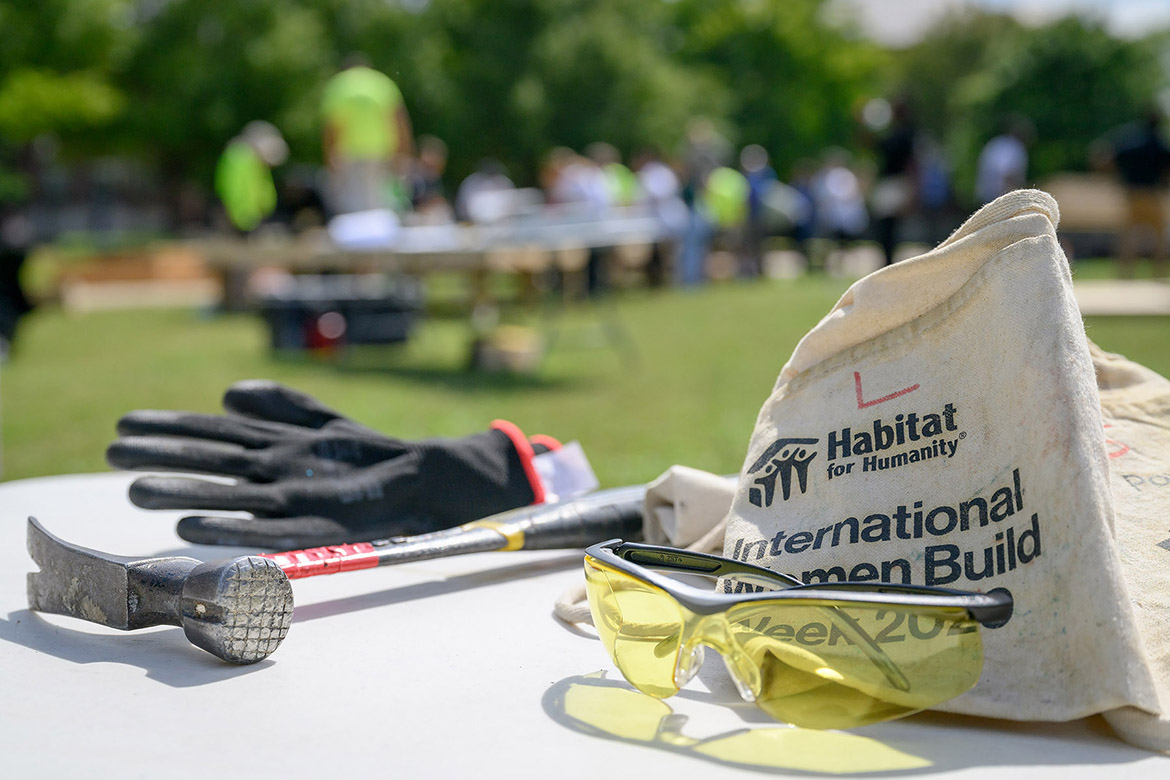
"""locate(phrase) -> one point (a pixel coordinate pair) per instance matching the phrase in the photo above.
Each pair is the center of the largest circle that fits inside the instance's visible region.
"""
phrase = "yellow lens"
(824, 666)
(640, 626)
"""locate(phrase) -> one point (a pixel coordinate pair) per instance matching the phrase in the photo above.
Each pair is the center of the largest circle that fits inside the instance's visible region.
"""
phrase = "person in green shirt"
(621, 185)
(726, 197)
(243, 176)
(367, 135)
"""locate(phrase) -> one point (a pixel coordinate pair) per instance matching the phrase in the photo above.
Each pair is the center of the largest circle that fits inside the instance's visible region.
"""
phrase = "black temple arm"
(701, 563)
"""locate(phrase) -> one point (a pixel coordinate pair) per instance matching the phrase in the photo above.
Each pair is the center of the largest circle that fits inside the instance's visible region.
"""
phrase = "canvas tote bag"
(1135, 404)
(941, 426)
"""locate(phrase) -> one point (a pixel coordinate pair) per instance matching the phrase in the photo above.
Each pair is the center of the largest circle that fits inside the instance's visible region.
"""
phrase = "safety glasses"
(825, 655)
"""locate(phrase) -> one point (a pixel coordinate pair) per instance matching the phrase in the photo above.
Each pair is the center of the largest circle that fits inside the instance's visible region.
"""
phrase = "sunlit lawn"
(688, 390)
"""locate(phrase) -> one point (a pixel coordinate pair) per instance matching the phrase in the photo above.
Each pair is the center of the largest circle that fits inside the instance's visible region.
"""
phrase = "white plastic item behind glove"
(941, 426)
(1135, 403)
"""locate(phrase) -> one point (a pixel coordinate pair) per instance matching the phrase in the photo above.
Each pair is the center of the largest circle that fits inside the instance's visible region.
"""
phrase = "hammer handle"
(607, 514)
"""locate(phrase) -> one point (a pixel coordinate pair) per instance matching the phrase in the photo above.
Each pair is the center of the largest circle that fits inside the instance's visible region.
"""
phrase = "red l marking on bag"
(861, 403)
(1120, 449)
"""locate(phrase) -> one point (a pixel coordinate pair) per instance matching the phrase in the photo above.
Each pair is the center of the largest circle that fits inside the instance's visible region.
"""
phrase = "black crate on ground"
(313, 312)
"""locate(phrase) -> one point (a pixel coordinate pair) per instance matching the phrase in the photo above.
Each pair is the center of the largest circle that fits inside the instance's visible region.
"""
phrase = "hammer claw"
(76, 581)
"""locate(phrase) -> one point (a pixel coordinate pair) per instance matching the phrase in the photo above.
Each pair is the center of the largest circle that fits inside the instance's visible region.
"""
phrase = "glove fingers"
(183, 493)
(215, 427)
(265, 400)
(166, 453)
(285, 533)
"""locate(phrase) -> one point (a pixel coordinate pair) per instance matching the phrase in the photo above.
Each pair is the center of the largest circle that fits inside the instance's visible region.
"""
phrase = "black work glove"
(311, 477)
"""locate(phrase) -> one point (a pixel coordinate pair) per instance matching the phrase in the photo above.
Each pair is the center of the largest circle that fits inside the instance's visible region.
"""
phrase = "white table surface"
(449, 668)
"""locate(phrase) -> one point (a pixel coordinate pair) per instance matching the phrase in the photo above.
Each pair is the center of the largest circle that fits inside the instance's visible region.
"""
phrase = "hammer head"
(238, 610)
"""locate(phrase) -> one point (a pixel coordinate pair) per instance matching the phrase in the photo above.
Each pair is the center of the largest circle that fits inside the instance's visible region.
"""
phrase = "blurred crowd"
(708, 200)
(720, 212)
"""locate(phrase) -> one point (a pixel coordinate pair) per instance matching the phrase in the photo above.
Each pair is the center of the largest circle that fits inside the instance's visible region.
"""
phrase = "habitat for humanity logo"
(781, 460)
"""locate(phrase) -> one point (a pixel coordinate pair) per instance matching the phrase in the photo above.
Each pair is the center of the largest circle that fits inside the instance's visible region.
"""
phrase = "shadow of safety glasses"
(593, 705)
(827, 655)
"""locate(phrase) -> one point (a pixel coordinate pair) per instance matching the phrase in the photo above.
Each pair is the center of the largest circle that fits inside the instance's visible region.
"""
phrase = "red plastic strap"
(551, 444)
(526, 453)
(325, 560)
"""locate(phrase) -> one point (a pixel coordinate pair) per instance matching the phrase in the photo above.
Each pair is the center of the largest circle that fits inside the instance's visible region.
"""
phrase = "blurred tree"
(66, 35)
(794, 81)
(57, 63)
(34, 101)
(1074, 81)
(962, 46)
(610, 72)
(512, 78)
(204, 68)
(501, 78)
(1070, 78)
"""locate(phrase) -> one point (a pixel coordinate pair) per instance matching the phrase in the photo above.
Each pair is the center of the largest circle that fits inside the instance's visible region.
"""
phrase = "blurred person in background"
(483, 196)
(428, 197)
(16, 238)
(1141, 159)
(576, 186)
(704, 150)
(753, 161)
(621, 190)
(804, 172)
(620, 182)
(574, 181)
(895, 193)
(243, 176)
(367, 138)
(552, 165)
(936, 201)
(837, 198)
(660, 193)
(725, 204)
(299, 204)
(1003, 163)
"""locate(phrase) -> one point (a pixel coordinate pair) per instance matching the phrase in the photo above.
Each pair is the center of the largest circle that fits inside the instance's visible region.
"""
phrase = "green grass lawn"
(701, 364)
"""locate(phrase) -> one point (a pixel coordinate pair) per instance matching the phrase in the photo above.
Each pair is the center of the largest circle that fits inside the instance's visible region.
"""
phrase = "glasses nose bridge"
(710, 630)
(715, 631)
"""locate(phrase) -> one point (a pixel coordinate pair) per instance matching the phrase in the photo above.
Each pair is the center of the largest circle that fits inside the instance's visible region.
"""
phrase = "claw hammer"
(240, 609)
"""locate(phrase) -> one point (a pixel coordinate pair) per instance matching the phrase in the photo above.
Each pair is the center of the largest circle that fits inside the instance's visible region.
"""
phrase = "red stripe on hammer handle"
(325, 560)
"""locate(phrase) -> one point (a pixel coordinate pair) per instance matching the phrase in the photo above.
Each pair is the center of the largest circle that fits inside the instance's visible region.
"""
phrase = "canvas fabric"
(941, 426)
(686, 507)
(1135, 404)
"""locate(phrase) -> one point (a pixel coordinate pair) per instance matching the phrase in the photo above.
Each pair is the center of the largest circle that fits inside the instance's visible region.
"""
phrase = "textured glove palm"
(312, 477)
